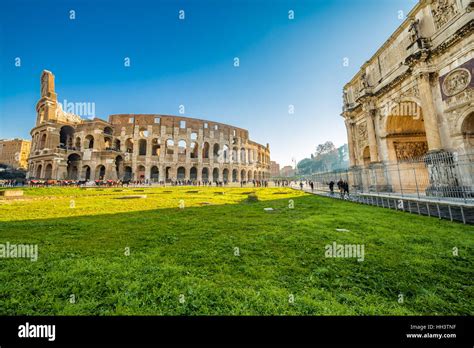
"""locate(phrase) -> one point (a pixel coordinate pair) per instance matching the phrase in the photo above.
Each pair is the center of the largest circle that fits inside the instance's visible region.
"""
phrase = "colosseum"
(148, 148)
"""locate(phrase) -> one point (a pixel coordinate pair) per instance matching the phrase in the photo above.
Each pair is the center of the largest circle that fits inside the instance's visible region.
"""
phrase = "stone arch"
(78, 143)
(127, 173)
(66, 135)
(205, 174)
(100, 172)
(467, 131)
(242, 175)
(366, 155)
(242, 155)
(181, 173)
(107, 142)
(140, 172)
(194, 148)
(215, 174)
(48, 171)
(86, 170)
(249, 175)
(117, 144)
(73, 162)
(193, 173)
(129, 145)
(154, 174)
(205, 150)
(89, 142)
(182, 147)
(42, 143)
(108, 131)
(119, 166)
(39, 169)
(142, 144)
(234, 175)
(235, 155)
(169, 145)
(225, 175)
(225, 153)
(155, 147)
(215, 151)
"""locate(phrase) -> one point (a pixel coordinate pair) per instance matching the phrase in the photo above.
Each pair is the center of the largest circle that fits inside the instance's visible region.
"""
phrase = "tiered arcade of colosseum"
(151, 148)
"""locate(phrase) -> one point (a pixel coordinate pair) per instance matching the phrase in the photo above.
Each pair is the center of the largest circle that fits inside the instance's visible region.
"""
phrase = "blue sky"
(190, 62)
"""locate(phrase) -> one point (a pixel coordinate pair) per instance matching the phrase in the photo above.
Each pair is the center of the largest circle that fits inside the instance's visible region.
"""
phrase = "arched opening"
(42, 143)
(168, 173)
(66, 135)
(73, 162)
(225, 153)
(38, 171)
(100, 172)
(366, 155)
(205, 150)
(86, 170)
(467, 130)
(249, 177)
(182, 147)
(194, 150)
(117, 144)
(225, 175)
(140, 172)
(215, 151)
(255, 177)
(89, 142)
(127, 173)
(48, 171)
(129, 145)
(108, 131)
(142, 147)
(77, 144)
(234, 175)
(205, 174)
(169, 147)
(235, 153)
(242, 175)
(107, 143)
(405, 130)
(193, 174)
(154, 174)
(242, 155)
(119, 166)
(215, 174)
(143, 132)
(181, 173)
(155, 147)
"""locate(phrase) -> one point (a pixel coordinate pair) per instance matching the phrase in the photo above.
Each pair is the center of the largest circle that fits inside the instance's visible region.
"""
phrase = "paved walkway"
(439, 208)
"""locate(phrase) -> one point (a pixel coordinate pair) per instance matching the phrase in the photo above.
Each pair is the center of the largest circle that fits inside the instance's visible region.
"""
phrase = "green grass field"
(222, 254)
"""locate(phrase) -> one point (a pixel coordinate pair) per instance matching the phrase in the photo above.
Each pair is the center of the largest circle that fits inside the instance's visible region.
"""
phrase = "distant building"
(274, 169)
(287, 171)
(159, 148)
(15, 153)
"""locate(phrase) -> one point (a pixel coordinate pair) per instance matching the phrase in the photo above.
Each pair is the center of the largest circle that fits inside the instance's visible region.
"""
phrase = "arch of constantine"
(157, 148)
(412, 103)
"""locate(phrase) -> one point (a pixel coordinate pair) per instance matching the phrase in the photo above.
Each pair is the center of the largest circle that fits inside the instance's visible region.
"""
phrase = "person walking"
(312, 186)
(331, 187)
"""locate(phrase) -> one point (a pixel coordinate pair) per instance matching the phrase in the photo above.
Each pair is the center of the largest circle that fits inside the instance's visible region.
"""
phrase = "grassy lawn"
(224, 255)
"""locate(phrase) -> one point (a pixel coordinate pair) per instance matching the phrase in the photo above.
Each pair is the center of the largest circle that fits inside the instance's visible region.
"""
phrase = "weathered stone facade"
(15, 153)
(415, 97)
(157, 148)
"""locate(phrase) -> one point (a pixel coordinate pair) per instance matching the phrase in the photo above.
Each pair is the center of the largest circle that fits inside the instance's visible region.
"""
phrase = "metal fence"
(440, 176)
